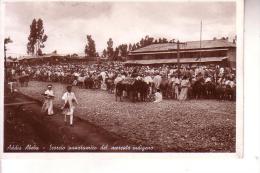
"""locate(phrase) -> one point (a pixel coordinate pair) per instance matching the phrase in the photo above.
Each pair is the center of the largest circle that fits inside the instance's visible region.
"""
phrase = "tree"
(32, 38)
(134, 47)
(41, 37)
(223, 38)
(90, 48)
(138, 45)
(148, 40)
(142, 43)
(7, 40)
(39, 52)
(120, 52)
(104, 53)
(164, 40)
(74, 55)
(172, 41)
(130, 47)
(110, 50)
(116, 54)
(36, 37)
(123, 50)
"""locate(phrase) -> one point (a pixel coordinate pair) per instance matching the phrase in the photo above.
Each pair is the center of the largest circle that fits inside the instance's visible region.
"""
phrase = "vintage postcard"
(122, 77)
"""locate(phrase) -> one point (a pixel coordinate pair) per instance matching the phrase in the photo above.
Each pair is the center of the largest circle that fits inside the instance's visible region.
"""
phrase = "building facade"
(217, 51)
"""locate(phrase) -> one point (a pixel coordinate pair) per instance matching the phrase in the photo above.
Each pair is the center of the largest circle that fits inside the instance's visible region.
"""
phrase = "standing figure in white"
(70, 101)
(48, 101)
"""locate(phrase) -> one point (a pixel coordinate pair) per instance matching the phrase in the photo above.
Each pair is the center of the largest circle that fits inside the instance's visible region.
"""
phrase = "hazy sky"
(68, 23)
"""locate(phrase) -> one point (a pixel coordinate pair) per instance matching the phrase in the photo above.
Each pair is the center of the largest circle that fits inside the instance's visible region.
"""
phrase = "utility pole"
(6, 41)
(200, 39)
(5, 62)
(178, 54)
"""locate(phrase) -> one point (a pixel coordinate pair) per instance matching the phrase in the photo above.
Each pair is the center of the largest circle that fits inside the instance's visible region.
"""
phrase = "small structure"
(54, 58)
(217, 51)
(10, 62)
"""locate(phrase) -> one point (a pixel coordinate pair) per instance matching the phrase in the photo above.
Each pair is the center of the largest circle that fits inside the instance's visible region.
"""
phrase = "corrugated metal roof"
(174, 51)
(205, 44)
(172, 61)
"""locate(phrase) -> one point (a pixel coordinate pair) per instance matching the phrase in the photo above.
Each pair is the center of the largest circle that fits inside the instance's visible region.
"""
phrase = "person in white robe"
(103, 83)
(118, 79)
(48, 101)
(157, 81)
(158, 96)
(184, 89)
(149, 80)
(70, 101)
(177, 83)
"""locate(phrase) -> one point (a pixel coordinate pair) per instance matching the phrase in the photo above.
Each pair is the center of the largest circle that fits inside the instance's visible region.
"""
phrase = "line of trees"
(118, 53)
(121, 51)
(37, 38)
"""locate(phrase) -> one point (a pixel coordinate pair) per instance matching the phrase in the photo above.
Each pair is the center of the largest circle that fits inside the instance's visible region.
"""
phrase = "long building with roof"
(55, 58)
(217, 51)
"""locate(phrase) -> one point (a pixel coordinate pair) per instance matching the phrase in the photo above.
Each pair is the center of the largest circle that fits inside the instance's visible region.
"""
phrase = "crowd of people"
(200, 81)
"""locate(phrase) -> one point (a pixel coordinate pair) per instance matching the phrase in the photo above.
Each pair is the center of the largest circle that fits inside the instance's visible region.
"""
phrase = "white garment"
(76, 74)
(158, 97)
(208, 79)
(173, 80)
(138, 78)
(13, 71)
(103, 74)
(157, 81)
(177, 81)
(221, 70)
(49, 93)
(148, 79)
(48, 103)
(232, 84)
(118, 79)
(69, 97)
(81, 79)
(227, 82)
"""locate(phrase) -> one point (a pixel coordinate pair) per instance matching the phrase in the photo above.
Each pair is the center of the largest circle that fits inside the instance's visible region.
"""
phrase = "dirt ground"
(26, 129)
(189, 126)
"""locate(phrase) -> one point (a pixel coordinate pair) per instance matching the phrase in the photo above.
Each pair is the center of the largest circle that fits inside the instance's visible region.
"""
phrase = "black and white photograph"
(131, 77)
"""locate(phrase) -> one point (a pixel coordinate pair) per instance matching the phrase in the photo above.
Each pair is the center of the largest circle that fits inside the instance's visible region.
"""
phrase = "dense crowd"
(201, 81)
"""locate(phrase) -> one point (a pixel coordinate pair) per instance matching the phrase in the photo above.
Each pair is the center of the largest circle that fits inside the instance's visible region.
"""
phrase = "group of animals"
(139, 90)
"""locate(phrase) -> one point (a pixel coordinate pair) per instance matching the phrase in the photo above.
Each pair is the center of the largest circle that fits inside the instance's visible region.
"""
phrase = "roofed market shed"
(217, 51)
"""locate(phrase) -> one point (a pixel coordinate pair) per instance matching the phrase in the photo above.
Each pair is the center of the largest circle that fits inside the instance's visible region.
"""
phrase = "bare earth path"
(26, 127)
(194, 125)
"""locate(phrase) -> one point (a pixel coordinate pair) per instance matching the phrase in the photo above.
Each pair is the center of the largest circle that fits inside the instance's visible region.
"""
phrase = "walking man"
(48, 101)
(70, 101)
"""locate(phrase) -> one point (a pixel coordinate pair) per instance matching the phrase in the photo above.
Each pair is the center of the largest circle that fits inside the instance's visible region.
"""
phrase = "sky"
(67, 23)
